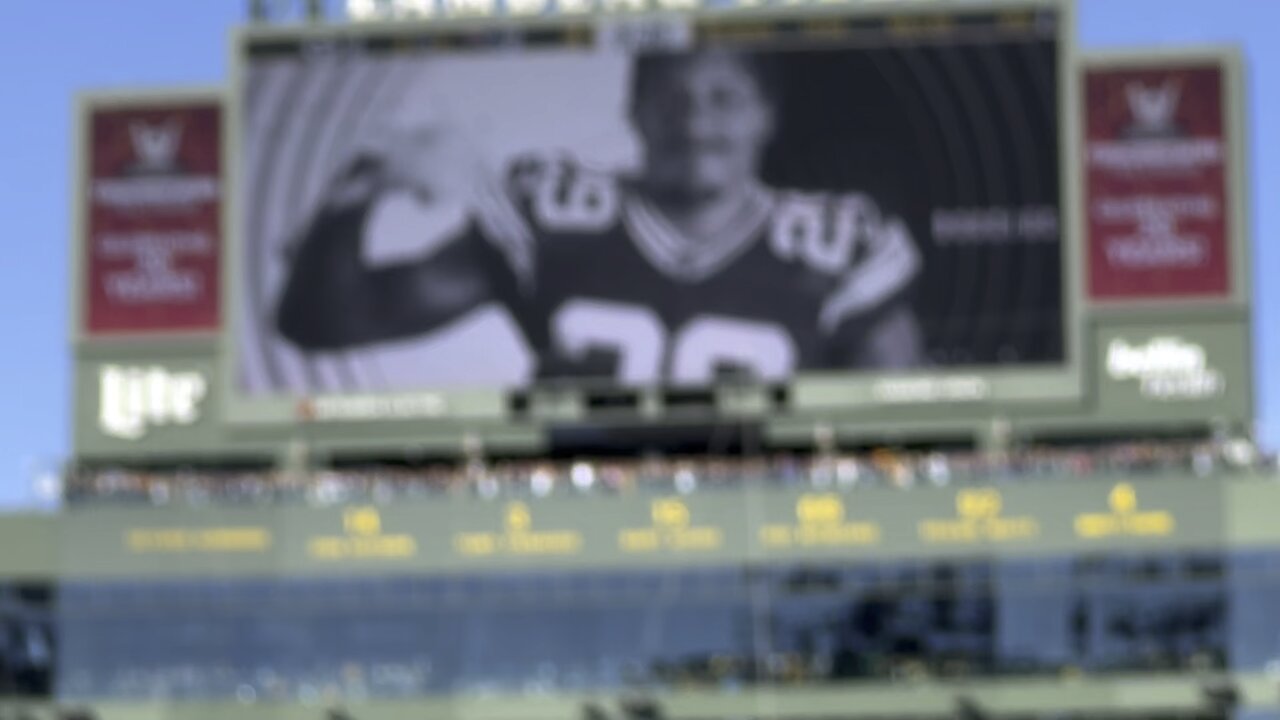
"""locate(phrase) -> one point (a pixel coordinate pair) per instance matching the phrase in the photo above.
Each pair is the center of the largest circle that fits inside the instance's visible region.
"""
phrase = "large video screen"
(649, 201)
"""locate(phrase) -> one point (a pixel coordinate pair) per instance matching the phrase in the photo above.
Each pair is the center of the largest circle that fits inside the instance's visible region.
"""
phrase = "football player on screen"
(690, 269)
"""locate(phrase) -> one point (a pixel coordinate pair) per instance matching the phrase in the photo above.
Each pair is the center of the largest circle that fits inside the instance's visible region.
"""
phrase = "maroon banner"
(153, 243)
(1156, 183)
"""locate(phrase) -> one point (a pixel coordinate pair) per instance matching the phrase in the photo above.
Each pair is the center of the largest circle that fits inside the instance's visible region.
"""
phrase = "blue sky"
(54, 49)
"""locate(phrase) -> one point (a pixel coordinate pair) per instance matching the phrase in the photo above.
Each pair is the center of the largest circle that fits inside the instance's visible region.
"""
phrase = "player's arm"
(334, 299)
(891, 339)
(869, 317)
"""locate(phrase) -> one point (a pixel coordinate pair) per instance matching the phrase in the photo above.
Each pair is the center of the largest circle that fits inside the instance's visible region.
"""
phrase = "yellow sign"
(820, 522)
(979, 518)
(364, 522)
(518, 537)
(363, 539)
(671, 530)
(1124, 518)
(204, 540)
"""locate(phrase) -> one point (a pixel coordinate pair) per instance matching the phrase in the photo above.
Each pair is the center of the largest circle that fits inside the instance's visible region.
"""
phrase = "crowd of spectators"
(493, 479)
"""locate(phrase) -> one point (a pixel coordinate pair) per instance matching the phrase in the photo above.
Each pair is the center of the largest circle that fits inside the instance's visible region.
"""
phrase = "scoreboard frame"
(442, 417)
(1098, 406)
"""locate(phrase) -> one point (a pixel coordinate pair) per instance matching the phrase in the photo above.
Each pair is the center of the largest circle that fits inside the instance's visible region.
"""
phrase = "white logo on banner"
(1153, 108)
(1153, 140)
(1166, 368)
(156, 179)
(134, 399)
(156, 146)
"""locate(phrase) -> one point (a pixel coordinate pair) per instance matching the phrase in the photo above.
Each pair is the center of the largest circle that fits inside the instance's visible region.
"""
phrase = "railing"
(535, 478)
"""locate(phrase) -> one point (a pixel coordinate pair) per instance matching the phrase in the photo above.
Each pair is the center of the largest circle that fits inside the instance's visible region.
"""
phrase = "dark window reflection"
(27, 643)
(1149, 613)
(716, 628)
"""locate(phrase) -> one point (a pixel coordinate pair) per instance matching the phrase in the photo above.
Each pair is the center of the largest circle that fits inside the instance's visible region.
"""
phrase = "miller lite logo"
(1153, 108)
(134, 399)
(155, 145)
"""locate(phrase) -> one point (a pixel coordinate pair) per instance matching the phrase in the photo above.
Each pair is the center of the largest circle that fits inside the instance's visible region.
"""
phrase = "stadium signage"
(151, 203)
(671, 530)
(362, 539)
(1124, 518)
(134, 399)
(928, 390)
(1166, 368)
(820, 522)
(339, 408)
(519, 537)
(1157, 163)
(218, 540)
(979, 518)
(564, 530)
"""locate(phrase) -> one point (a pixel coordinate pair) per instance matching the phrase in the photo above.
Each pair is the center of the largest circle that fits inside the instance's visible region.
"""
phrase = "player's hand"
(435, 163)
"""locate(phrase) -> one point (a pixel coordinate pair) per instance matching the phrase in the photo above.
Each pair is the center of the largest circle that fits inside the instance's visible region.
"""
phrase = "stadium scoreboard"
(936, 234)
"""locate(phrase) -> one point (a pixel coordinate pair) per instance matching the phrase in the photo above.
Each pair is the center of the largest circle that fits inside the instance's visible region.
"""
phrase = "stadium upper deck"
(197, 484)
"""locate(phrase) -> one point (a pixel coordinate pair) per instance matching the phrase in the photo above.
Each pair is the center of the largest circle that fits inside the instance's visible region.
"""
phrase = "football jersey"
(602, 285)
